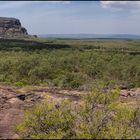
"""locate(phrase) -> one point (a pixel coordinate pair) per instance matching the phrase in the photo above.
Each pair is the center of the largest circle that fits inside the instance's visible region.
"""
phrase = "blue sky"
(71, 17)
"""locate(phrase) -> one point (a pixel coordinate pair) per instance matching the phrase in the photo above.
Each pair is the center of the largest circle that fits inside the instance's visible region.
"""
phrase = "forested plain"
(70, 63)
(89, 65)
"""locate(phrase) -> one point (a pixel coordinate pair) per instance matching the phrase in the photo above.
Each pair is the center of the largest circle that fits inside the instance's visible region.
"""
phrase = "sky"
(72, 17)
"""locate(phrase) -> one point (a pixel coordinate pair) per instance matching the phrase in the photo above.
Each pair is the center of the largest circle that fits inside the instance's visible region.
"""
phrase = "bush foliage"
(96, 117)
(70, 63)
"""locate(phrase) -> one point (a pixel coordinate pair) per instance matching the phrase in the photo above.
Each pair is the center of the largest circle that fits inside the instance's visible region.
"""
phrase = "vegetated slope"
(97, 115)
(70, 63)
(15, 100)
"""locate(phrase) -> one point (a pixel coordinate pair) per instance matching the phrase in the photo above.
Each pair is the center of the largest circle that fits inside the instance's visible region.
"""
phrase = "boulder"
(124, 93)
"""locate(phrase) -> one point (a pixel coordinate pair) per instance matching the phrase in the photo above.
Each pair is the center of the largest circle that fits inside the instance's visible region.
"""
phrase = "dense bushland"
(70, 63)
(97, 116)
(76, 64)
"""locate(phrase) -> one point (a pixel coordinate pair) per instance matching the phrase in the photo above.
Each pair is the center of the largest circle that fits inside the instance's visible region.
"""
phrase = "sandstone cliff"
(11, 27)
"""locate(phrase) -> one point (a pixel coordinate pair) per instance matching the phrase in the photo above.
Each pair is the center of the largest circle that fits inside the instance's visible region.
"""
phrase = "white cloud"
(121, 5)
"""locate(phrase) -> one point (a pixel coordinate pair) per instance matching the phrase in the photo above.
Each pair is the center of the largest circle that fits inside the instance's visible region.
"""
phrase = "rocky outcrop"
(11, 27)
(12, 106)
(130, 93)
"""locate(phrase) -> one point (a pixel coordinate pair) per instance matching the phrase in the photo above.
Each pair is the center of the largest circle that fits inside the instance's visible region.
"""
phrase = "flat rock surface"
(12, 106)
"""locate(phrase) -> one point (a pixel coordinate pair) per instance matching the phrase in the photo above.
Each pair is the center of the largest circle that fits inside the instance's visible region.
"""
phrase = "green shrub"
(20, 83)
(48, 122)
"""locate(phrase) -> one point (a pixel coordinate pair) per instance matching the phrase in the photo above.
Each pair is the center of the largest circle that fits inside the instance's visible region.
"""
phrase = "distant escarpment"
(11, 27)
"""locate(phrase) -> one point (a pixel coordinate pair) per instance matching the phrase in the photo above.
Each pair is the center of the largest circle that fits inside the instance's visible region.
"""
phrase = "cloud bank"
(121, 5)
